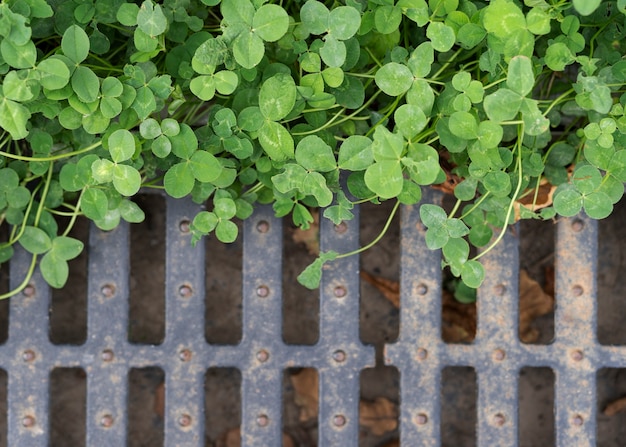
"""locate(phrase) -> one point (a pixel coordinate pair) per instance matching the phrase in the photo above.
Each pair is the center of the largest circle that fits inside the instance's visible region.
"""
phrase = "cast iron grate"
(419, 354)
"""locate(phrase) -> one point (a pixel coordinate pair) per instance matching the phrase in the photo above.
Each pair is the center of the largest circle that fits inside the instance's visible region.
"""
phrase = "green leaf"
(394, 79)
(18, 56)
(224, 208)
(248, 49)
(385, 178)
(55, 271)
(35, 240)
(75, 44)
(144, 103)
(597, 205)
(410, 120)
(226, 231)
(502, 18)
(312, 275)
(387, 145)
(276, 141)
(205, 167)
(179, 180)
(270, 22)
(463, 125)
(204, 222)
(151, 19)
(276, 106)
(127, 14)
(422, 163)
(568, 202)
(456, 251)
(473, 274)
(344, 22)
(333, 52)
(203, 87)
(586, 7)
(432, 215)
(237, 11)
(131, 212)
(85, 84)
(314, 184)
(54, 74)
(126, 180)
(94, 204)
(226, 82)
(149, 129)
(558, 56)
(13, 118)
(387, 19)
(502, 105)
(313, 154)
(66, 248)
(121, 145)
(161, 146)
(185, 143)
(441, 36)
(355, 153)
(315, 16)
(520, 77)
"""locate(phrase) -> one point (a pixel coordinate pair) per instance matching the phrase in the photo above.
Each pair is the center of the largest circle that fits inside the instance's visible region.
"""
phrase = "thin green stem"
(52, 157)
(24, 283)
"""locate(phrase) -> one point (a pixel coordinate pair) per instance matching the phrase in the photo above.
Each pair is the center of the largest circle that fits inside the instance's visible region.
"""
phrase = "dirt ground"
(379, 325)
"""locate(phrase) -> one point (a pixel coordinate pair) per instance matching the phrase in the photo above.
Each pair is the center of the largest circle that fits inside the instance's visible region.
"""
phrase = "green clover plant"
(304, 104)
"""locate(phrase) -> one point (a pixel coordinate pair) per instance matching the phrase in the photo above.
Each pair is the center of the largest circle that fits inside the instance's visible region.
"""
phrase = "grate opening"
(222, 406)
(459, 394)
(380, 275)
(223, 291)
(611, 397)
(611, 265)
(146, 407)
(146, 302)
(4, 304)
(3, 408)
(536, 407)
(301, 306)
(300, 407)
(67, 411)
(536, 301)
(379, 406)
(68, 305)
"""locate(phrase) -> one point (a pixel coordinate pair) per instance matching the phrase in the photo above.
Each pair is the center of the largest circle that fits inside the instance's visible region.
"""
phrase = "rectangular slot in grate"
(187, 370)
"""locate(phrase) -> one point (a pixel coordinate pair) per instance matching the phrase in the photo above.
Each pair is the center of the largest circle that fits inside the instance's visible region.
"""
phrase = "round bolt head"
(184, 420)
(577, 355)
(340, 291)
(499, 419)
(499, 289)
(107, 355)
(107, 421)
(341, 228)
(339, 420)
(29, 291)
(28, 355)
(263, 226)
(577, 225)
(108, 290)
(499, 355)
(28, 421)
(262, 420)
(262, 356)
(339, 356)
(422, 354)
(577, 290)
(184, 226)
(421, 419)
(185, 291)
(422, 289)
(262, 291)
(185, 355)
(578, 420)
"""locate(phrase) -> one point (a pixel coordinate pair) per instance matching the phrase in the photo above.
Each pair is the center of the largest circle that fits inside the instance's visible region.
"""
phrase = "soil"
(379, 325)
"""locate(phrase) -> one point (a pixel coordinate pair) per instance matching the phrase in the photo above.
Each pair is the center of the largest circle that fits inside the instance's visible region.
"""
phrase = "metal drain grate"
(497, 355)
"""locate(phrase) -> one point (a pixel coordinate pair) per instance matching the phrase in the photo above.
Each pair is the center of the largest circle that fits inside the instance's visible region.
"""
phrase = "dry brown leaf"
(306, 390)
(159, 400)
(379, 416)
(232, 438)
(392, 443)
(543, 199)
(390, 289)
(311, 237)
(458, 320)
(617, 406)
(533, 303)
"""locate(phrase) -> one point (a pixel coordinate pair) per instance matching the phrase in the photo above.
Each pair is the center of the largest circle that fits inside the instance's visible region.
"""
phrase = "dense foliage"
(308, 104)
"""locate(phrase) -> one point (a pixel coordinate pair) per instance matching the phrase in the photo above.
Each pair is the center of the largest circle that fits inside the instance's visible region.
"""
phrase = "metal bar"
(343, 356)
(104, 354)
(28, 359)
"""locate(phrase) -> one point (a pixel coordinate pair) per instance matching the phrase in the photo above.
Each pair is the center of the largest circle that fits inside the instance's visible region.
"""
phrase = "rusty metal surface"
(497, 355)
